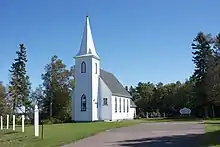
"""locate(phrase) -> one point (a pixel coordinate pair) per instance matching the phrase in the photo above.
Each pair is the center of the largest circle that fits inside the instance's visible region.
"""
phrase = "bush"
(52, 121)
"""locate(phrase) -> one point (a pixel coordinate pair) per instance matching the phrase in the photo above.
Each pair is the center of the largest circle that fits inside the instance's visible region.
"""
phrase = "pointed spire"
(87, 45)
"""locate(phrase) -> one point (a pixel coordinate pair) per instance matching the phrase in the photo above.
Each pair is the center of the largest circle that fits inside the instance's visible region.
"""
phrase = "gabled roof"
(113, 84)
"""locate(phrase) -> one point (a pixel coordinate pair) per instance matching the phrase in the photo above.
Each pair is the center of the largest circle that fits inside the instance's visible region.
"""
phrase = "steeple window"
(83, 67)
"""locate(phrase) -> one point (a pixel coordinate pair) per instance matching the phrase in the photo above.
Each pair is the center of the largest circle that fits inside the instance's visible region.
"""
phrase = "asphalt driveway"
(171, 134)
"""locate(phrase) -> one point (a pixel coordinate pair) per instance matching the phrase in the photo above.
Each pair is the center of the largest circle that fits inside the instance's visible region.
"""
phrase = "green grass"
(60, 134)
(212, 136)
(57, 134)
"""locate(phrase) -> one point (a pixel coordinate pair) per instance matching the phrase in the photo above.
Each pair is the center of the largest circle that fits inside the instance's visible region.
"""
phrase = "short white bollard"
(36, 121)
(1, 123)
(13, 122)
(7, 125)
(22, 123)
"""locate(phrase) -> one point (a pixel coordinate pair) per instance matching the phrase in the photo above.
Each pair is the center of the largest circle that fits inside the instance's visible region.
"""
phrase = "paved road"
(172, 134)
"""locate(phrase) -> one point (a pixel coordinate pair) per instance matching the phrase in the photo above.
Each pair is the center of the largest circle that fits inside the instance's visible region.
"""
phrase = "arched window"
(127, 106)
(83, 67)
(83, 103)
(119, 104)
(116, 104)
(123, 105)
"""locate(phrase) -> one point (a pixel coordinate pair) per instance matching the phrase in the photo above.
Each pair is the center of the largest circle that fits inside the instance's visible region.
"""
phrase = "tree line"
(53, 96)
(200, 92)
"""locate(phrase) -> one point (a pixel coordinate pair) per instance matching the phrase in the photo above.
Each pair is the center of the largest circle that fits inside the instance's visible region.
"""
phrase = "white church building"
(98, 95)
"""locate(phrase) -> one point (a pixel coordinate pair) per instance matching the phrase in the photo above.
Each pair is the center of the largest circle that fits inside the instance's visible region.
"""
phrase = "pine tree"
(213, 75)
(126, 88)
(2, 99)
(217, 44)
(201, 55)
(20, 86)
(217, 69)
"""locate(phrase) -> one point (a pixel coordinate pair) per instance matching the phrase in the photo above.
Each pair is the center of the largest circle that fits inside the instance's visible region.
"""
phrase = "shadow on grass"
(18, 139)
(11, 132)
(7, 132)
(189, 140)
(212, 123)
(184, 119)
(11, 139)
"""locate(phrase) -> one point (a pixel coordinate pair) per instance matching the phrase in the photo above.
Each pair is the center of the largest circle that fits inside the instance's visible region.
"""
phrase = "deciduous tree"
(57, 84)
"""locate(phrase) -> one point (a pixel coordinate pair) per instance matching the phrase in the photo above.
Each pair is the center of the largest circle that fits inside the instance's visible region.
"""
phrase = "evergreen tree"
(201, 56)
(217, 45)
(20, 86)
(126, 88)
(2, 99)
(213, 76)
(217, 69)
(133, 93)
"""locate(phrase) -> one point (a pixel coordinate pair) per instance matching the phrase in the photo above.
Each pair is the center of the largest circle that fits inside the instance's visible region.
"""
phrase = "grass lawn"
(60, 134)
(212, 136)
(57, 134)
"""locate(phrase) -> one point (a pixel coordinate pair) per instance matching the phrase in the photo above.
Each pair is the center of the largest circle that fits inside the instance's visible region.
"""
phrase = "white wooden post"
(7, 126)
(1, 123)
(147, 115)
(13, 122)
(36, 121)
(22, 123)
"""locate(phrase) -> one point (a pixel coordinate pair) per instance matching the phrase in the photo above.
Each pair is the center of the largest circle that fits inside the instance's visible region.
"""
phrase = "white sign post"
(185, 111)
(13, 122)
(36, 121)
(1, 123)
(22, 123)
(7, 125)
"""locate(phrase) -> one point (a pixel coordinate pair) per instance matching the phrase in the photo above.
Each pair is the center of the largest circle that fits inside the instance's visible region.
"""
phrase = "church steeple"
(86, 76)
(87, 45)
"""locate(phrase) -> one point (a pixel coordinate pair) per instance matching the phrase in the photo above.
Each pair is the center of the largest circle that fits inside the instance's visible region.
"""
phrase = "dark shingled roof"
(113, 84)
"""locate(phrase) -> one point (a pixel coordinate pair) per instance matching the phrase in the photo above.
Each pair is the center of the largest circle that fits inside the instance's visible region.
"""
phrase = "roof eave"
(87, 55)
(116, 94)
(133, 106)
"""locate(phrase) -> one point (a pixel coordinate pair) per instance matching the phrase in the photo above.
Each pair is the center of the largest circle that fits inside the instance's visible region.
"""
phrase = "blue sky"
(141, 40)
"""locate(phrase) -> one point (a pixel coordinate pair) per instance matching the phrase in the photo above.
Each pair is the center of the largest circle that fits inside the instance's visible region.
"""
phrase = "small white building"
(98, 95)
